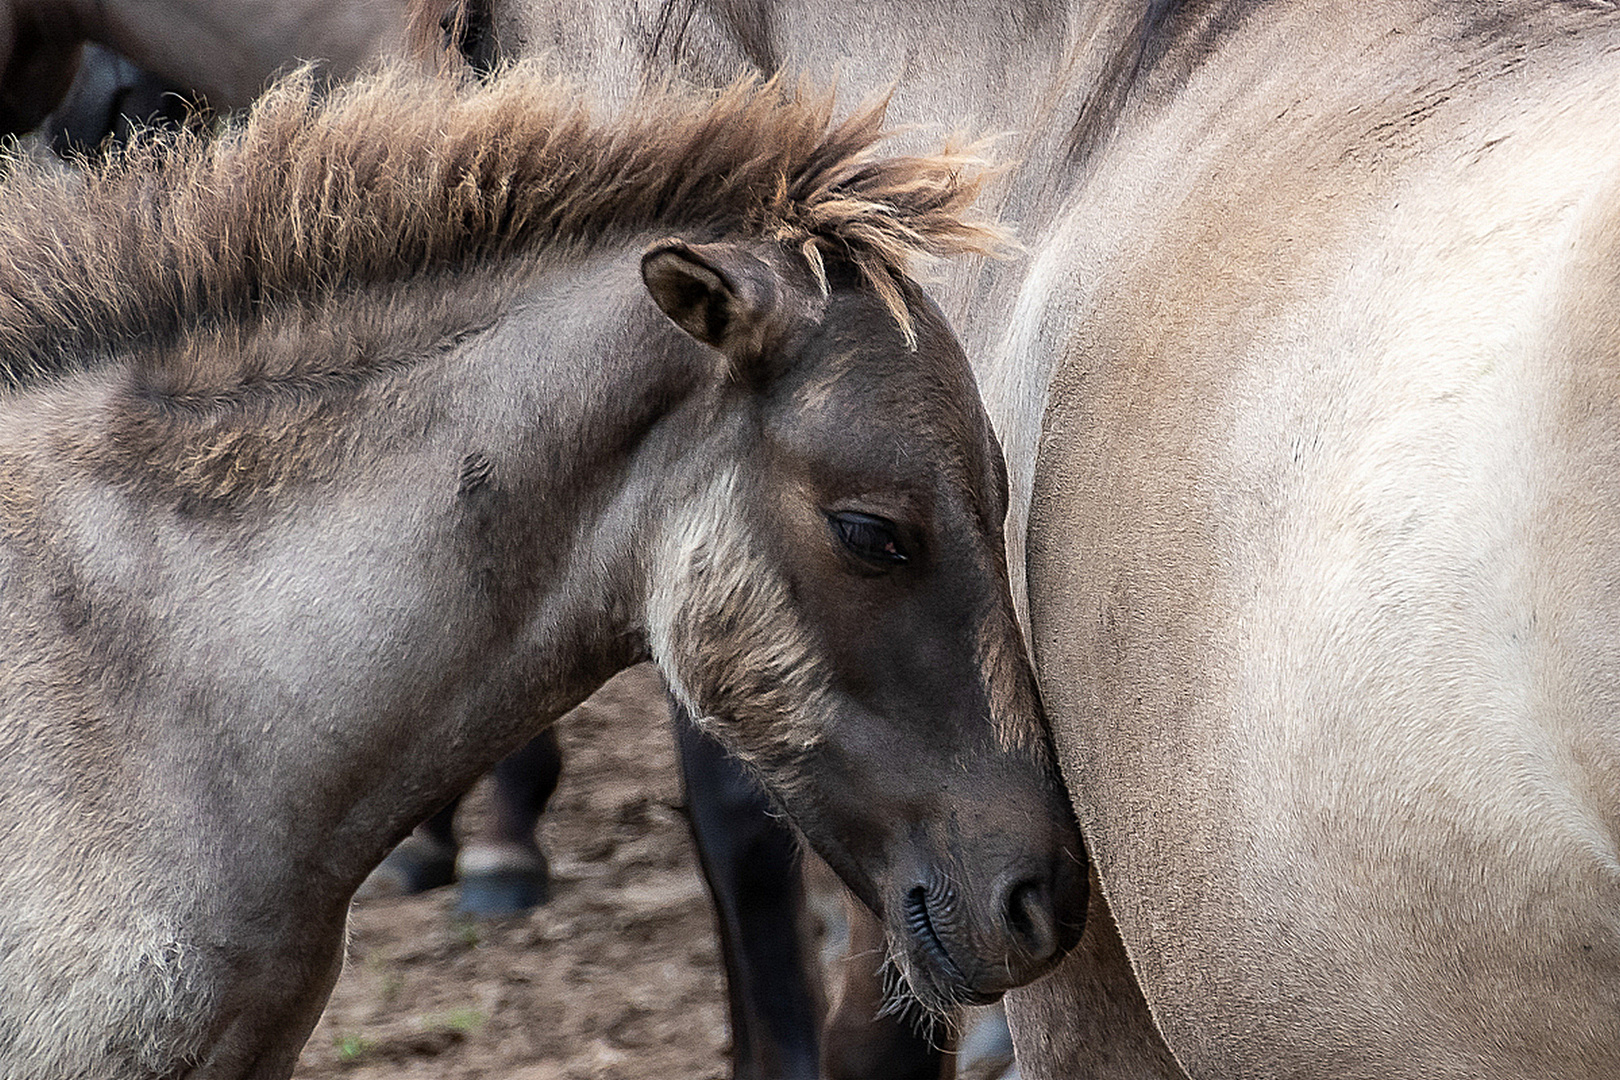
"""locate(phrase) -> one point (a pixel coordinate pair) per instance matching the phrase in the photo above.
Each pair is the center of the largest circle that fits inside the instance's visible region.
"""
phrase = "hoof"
(418, 864)
(502, 880)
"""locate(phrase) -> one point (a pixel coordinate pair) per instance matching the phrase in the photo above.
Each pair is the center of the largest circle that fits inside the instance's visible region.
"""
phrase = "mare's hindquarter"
(1323, 570)
(240, 658)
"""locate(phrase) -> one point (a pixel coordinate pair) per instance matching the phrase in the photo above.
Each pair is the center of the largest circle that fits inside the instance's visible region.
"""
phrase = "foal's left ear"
(722, 294)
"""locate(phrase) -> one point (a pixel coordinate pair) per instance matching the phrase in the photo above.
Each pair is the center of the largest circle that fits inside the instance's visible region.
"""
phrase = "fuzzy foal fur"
(399, 178)
(255, 621)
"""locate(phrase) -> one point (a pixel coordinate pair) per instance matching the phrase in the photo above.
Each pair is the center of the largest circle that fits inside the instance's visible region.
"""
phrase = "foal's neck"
(545, 481)
(440, 564)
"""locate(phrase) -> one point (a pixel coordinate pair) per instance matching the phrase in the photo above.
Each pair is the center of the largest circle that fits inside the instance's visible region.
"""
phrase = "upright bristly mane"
(400, 175)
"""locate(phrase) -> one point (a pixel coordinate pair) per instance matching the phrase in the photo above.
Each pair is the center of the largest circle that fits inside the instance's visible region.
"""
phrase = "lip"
(950, 980)
(924, 934)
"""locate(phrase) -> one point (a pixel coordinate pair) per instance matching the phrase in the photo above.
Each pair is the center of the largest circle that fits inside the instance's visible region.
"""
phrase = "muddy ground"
(617, 977)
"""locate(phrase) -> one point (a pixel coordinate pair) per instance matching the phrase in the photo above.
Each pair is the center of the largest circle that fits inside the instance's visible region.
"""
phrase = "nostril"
(1028, 917)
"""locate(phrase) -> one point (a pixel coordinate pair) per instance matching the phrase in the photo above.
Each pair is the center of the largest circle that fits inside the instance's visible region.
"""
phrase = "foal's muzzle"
(958, 950)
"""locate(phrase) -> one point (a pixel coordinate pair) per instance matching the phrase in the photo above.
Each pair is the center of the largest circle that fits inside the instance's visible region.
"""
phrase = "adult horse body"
(338, 464)
(1337, 692)
(1308, 388)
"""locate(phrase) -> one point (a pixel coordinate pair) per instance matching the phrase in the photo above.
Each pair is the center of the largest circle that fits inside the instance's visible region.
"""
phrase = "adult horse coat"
(343, 453)
(1308, 388)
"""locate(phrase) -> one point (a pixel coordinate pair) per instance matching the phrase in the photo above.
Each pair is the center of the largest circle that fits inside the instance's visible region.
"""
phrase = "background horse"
(110, 100)
(225, 51)
(1305, 392)
(337, 465)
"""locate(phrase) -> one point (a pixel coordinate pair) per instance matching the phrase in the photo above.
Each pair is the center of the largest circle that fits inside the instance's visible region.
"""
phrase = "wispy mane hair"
(400, 175)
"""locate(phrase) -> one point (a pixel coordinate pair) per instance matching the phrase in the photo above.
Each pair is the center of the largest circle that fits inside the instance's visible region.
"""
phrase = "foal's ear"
(721, 294)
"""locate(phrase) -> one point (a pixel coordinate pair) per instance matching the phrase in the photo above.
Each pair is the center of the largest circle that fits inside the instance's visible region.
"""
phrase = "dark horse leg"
(502, 869)
(750, 861)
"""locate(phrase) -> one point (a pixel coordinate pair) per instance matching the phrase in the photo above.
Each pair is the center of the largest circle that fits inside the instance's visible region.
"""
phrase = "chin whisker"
(934, 1017)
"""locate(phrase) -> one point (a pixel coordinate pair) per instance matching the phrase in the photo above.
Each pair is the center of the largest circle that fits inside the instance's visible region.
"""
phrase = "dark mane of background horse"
(305, 203)
(450, 33)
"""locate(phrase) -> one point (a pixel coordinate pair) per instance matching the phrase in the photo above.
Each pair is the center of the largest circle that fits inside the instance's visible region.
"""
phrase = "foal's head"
(830, 597)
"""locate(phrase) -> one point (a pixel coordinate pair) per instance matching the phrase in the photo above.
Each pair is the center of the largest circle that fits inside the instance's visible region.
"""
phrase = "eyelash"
(870, 539)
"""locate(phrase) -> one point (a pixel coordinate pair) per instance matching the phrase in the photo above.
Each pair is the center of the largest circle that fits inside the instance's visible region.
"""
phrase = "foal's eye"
(869, 538)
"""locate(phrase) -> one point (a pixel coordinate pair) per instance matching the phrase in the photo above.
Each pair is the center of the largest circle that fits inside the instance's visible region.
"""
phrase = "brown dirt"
(618, 977)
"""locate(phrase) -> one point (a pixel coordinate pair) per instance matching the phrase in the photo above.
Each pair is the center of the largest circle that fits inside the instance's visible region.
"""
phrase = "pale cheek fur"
(723, 632)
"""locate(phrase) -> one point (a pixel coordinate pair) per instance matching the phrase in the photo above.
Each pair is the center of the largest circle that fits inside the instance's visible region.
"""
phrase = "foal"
(343, 454)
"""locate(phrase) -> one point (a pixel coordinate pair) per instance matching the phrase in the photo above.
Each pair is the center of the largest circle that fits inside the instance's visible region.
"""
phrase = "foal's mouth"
(920, 925)
(924, 934)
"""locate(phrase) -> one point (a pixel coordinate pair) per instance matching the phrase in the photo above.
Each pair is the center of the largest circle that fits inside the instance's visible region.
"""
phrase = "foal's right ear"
(721, 294)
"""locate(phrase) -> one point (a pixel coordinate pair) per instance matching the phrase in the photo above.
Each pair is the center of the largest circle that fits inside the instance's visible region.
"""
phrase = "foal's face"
(844, 624)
